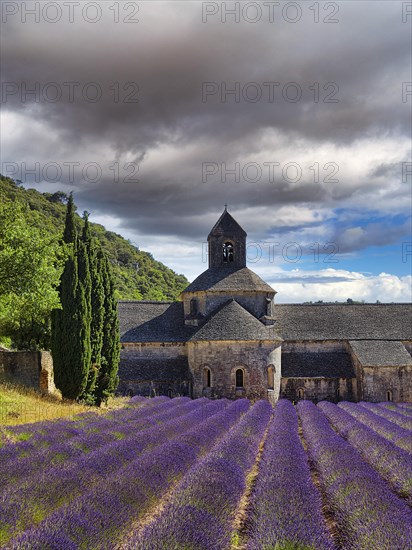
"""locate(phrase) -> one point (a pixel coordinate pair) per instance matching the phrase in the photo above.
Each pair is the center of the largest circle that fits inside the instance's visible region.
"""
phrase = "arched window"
(337, 393)
(389, 395)
(228, 252)
(193, 307)
(271, 378)
(207, 378)
(239, 378)
(169, 393)
(301, 393)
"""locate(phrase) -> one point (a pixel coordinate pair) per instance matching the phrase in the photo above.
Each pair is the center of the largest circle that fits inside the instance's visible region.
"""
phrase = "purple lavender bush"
(34, 498)
(368, 514)
(398, 436)
(285, 506)
(99, 516)
(391, 462)
(200, 512)
(392, 415)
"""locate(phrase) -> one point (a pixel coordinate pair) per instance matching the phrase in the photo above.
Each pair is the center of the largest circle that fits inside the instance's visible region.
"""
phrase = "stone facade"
(258, 363)
(227, 338)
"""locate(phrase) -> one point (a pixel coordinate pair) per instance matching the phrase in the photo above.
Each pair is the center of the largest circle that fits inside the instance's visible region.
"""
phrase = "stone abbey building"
(228, 338)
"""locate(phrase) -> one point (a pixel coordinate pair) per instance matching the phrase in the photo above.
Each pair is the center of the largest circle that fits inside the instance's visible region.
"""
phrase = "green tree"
(95, 257)
(71, 324)
(70, 373)
(107, 378)
(70, 233)
(84, 315)
(30, 268)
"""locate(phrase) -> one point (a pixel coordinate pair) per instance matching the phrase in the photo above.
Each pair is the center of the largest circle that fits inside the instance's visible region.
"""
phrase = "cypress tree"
(97, 305)
(71, 323)
(68, 360)
(85, 332)
(84, 314)
(63, 327)
(108, 379)
(69, 235)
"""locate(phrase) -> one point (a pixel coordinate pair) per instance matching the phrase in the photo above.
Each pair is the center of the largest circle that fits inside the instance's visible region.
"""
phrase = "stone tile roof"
(227, 225)
(344, 321)
(230, 279)
(164, 322)
(382, 353)
(233, 322)
(152, 322)
(162, 369)
(325, 364)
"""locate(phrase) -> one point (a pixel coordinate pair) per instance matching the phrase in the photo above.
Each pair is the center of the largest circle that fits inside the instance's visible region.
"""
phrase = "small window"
(228, 252)
(271, 378)
(193, 307)
(337, 393)
(169, 393)
(389, 395)
(207, 378)
(301, 393)
(239, 378)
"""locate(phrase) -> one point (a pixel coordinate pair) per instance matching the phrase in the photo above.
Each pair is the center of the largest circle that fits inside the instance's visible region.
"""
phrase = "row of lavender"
(100, 515)
(30, 496)
(201, 511)
(58, 443)
(399, 436)
(29, 438)
(397, 416)
(173, 455)
(391, 462)
(367, 512)
(285, 506)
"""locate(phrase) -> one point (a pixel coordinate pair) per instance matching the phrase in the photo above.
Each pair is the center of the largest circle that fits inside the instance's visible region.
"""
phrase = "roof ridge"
(147, 301)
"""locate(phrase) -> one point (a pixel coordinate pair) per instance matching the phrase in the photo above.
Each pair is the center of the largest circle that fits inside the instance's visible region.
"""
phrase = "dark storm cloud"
(361, 61)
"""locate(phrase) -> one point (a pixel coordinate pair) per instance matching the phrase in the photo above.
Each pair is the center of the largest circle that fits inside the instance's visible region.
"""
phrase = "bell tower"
(227, 243)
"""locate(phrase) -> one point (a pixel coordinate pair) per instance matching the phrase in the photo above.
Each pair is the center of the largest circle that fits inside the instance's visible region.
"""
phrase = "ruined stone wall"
(223, 358)
(33, 369)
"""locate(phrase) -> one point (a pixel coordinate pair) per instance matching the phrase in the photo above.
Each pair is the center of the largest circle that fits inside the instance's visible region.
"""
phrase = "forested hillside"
(137, 275)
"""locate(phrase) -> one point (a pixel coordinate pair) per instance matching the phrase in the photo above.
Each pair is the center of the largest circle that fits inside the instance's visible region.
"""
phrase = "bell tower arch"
(227, 243)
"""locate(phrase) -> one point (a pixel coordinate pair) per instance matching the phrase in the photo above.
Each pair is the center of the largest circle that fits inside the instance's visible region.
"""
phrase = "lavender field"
(211, 474)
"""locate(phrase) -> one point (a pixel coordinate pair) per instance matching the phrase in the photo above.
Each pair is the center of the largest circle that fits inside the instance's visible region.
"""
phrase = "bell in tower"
(227, 243)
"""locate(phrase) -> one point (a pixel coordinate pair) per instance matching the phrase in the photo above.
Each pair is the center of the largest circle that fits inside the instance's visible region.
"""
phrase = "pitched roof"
(229, 279)
(382, 353)
(344, 321)
(227, 225)
(164, 322)
(233, 322)
(142, 321)
(325, 364)
(137, 369)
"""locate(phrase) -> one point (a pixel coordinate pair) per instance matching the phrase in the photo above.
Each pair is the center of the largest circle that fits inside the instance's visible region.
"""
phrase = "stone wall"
(320, 370)
(33, 369)
(318, 389)
(378, 381)
(158, 368)
(223, 358)
(254, 302)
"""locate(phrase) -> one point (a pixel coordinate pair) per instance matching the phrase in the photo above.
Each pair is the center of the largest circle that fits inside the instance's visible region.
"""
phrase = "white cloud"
(314, 285)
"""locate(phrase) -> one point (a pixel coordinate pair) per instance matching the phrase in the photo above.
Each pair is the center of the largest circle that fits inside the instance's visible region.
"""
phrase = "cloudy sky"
(157, 114)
